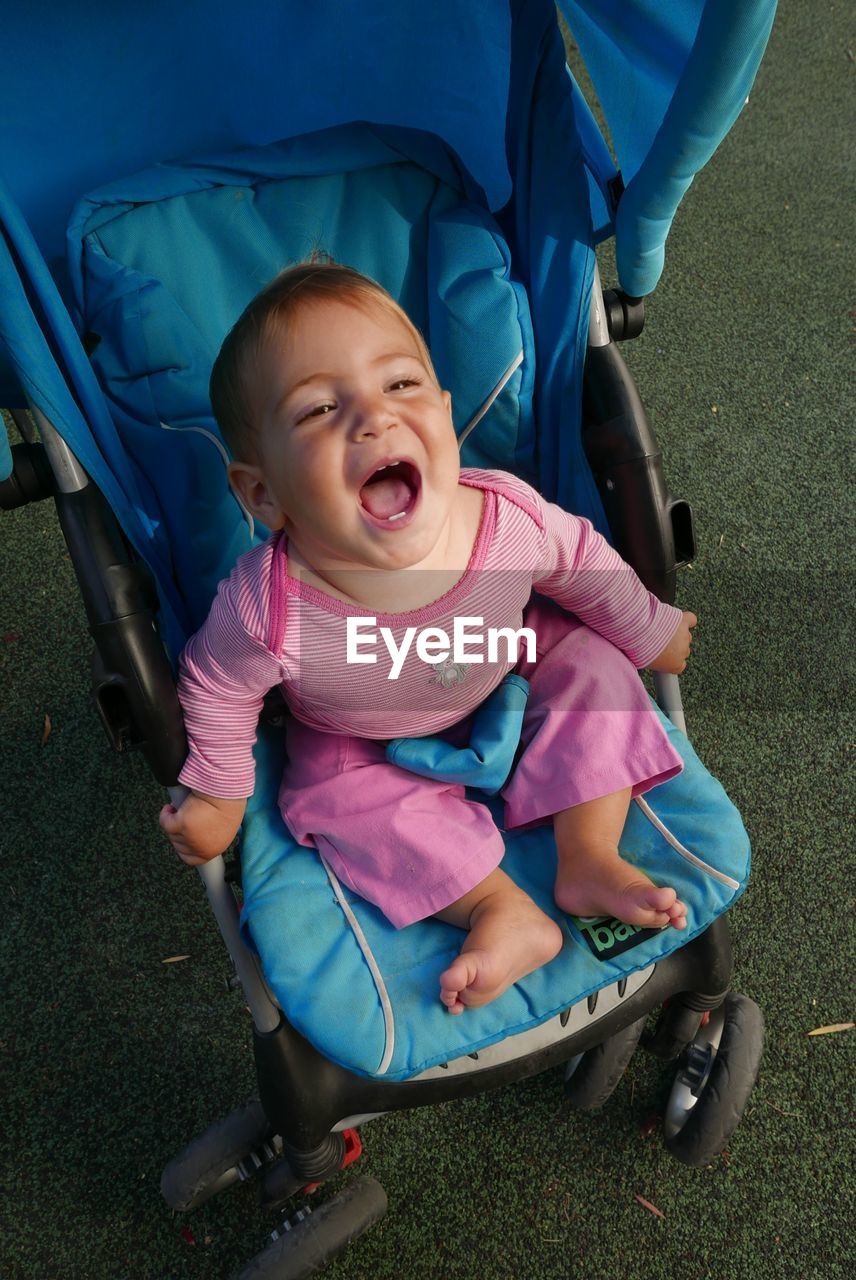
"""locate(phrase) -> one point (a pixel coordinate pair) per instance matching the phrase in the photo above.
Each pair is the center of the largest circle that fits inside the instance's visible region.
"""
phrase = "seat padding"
(367, 994)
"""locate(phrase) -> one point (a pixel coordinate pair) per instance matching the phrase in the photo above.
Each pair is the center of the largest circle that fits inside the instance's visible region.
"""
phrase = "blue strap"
(5, 456)
(712, 92)
(672, 79)
(487, 761)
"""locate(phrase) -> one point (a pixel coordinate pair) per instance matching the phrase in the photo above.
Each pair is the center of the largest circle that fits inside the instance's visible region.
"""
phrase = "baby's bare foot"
(596, 881)
(509, 938)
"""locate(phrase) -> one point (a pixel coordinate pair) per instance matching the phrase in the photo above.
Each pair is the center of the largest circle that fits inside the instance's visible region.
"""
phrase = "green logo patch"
(607, 938)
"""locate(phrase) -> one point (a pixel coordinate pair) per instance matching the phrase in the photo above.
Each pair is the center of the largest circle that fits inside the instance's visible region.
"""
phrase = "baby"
(344, 447)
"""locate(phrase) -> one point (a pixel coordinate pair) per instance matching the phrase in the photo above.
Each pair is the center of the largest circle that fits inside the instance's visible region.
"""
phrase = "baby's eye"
(401, 384)
(317, 411)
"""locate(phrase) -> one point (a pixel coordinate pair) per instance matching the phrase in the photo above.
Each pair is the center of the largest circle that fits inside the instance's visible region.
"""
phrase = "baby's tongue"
(385, 497)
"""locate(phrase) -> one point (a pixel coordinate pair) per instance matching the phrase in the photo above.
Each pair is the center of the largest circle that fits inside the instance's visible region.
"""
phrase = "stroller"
(483, 223)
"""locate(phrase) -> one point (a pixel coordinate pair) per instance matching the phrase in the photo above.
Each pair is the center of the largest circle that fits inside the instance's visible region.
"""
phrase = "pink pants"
(412, 845)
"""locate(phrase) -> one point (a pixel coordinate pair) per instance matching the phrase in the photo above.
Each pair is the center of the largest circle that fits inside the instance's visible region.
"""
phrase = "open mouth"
(390, 493)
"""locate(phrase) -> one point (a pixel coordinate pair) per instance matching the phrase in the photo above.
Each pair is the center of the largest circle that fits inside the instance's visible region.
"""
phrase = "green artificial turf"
(113, 1059)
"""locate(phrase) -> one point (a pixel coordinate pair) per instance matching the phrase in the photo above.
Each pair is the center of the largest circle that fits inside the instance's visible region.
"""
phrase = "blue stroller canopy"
(93, 92)
(96, 93)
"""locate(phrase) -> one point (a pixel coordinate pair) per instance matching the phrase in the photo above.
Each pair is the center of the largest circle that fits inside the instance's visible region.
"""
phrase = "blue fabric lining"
(163, 263)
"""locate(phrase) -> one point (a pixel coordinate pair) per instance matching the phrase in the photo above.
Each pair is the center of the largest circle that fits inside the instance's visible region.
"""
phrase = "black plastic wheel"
(210, 1162)
(708, 1126)
(593, 1076)
(315, 1238)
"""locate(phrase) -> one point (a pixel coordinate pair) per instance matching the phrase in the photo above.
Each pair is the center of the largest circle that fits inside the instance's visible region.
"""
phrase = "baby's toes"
(453, 981)
(678, 915)
(662, 901)
(452, 1002)
(647, 906)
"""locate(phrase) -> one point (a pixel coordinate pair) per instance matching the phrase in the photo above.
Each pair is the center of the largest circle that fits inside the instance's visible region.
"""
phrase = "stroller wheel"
(229, 1151)
(309, 1239)
(592, 1076)
(712, 1088)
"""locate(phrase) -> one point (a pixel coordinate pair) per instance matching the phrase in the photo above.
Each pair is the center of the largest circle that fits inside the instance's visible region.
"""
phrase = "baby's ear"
(447, 401)
(249, 484)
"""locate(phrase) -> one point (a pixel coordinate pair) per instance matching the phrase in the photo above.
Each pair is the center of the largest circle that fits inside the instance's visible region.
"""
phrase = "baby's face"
(359, 460)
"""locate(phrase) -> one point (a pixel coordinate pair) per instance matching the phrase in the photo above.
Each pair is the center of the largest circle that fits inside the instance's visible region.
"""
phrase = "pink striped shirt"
(267, 628)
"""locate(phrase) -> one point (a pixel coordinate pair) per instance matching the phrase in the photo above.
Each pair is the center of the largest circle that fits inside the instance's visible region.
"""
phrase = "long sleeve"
(224, 673)
(586, 576)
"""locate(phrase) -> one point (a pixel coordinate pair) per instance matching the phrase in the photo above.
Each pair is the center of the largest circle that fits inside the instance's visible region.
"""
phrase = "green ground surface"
(112, 1059)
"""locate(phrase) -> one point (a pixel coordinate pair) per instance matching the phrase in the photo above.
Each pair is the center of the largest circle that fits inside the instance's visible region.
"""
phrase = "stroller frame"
(297, 1132)
(299, 1135)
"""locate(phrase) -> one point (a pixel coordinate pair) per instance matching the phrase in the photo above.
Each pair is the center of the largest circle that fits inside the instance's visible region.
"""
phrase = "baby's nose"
(374, 420)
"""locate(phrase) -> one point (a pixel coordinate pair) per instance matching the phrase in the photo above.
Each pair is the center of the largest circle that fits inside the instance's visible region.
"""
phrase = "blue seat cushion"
(367, 995)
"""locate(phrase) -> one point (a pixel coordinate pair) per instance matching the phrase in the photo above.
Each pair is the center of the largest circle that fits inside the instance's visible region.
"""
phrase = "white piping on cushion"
(685, 853)
(498, 389)
(209, 435)
(368, 956)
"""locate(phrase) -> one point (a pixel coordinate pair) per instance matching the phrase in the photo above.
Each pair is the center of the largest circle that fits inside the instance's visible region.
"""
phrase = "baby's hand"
(674, 657)
(202, 827)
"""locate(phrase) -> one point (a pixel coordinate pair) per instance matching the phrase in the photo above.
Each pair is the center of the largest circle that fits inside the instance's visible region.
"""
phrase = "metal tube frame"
(72, 478)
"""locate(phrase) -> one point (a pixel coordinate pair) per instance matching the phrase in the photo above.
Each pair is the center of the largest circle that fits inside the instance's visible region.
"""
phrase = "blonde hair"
(273, 311)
